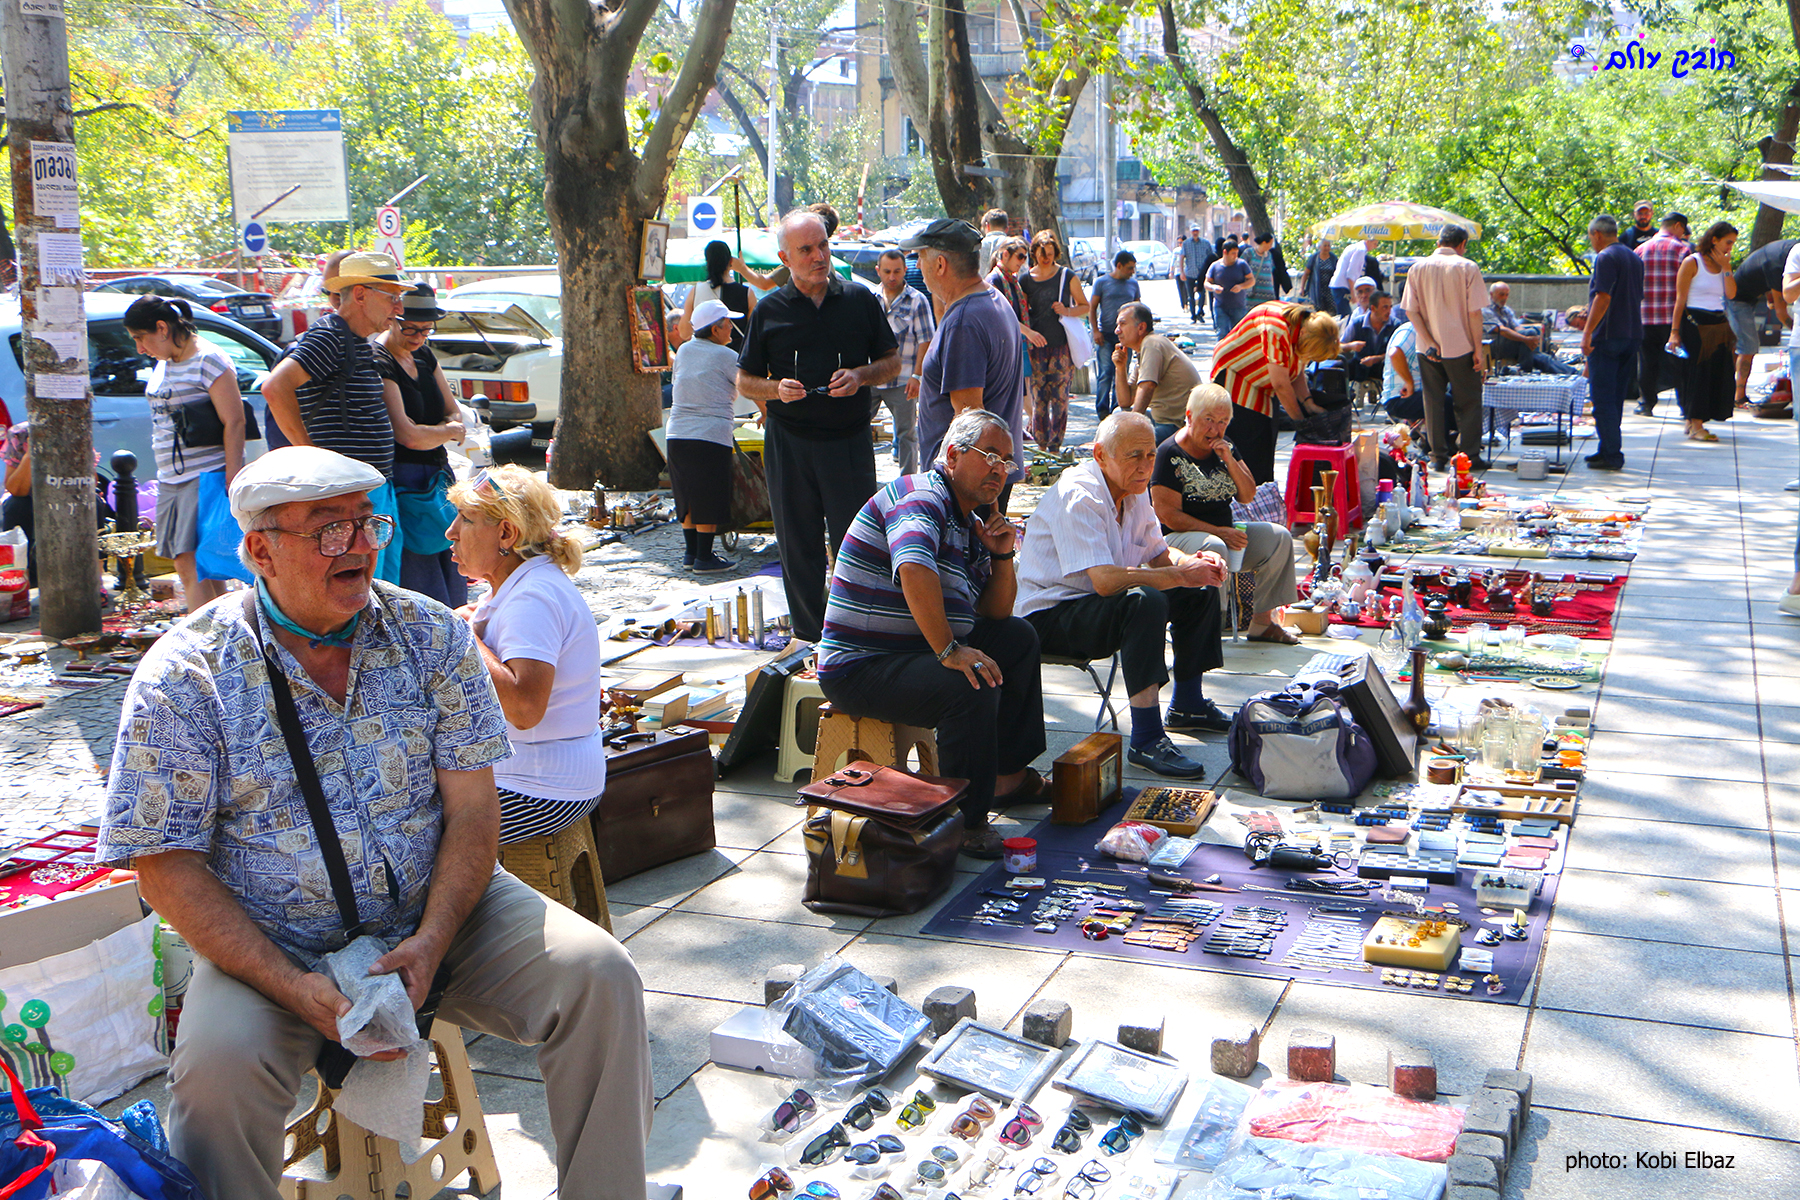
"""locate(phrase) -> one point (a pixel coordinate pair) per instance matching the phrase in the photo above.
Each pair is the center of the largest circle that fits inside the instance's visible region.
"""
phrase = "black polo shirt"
(790, 337)
(1761, 271)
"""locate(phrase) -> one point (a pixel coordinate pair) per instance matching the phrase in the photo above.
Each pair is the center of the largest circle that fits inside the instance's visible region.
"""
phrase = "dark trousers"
(1459, 377)
(1609, 369)
(1184, 288)
(1195, 299)
(1131, 624)
(1252, 437)
(981, 732)
(1104, 376)
(1653, 364)
(816, 488)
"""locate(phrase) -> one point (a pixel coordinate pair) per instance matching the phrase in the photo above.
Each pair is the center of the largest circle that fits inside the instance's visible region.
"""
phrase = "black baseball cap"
(945, 233)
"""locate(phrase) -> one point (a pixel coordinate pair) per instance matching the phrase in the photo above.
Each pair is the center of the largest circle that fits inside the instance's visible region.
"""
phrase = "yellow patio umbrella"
(1392, 221)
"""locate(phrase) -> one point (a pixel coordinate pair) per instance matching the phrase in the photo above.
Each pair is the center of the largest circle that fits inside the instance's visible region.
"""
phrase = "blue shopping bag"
(40, 1126)
(216, 555)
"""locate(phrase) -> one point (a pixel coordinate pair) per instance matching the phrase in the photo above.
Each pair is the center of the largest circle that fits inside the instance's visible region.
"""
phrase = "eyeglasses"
(865, 1153)
(981, 1172)
(826, 1147)
(862, 1114)
(1086, 1185)
(774, 1182)
(973, 1120)
(824, 389)
(1017, 1132)
(791, 1113)
(407, 329)
(823, 1190)
(995, 462)
(931, 1172)
(485, 479)
(336, 538)
(916, 1111)
(885, 1191)
(1031, 1179)
(946, 1154)
(1118, 1139)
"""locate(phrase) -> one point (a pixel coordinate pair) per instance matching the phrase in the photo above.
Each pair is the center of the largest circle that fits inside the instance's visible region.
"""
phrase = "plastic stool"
(362, 1166)
(1347, 498)
(562, 866)
(801, 699)
(844, 738)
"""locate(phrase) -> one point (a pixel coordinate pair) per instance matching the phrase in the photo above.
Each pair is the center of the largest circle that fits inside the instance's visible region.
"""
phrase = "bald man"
(1096, 578)
(813, 352)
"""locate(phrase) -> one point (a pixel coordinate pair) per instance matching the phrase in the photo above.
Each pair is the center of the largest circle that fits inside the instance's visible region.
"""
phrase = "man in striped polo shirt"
(919, 627)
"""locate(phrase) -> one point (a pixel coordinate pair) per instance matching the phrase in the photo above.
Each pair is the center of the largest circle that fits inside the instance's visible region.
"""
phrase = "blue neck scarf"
(281, 620)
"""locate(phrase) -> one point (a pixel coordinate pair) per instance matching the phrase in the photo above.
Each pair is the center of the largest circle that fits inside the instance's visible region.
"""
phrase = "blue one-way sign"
(256, 238)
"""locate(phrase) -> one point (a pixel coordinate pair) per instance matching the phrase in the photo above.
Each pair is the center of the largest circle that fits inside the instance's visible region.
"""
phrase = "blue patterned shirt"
(200, 763)
(914, 519)
(910, 317)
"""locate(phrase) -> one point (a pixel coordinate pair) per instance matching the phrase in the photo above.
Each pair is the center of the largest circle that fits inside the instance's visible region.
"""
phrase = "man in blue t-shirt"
(1110, 294)
(975, 359)
(1610, 338)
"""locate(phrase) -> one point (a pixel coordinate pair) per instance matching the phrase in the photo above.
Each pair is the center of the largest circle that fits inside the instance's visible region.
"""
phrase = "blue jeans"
(1228, 310)
(1341, 298)
(1608, 367)
(1165, 432)
(1104, 373)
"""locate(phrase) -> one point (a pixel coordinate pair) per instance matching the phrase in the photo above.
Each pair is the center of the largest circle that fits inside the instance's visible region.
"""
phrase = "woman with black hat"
(426, 419)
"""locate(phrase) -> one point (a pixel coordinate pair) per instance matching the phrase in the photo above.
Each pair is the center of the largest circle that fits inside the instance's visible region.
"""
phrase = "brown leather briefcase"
(658, 803)
(880, 842)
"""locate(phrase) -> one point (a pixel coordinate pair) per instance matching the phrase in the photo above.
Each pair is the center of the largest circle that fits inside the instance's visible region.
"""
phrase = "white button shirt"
(1077, 527)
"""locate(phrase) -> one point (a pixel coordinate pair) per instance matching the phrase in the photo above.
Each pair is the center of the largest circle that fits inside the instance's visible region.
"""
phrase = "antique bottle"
(1416, 709)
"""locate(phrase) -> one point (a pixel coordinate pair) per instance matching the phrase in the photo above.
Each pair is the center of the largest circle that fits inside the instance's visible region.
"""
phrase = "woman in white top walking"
(197, 427)
(1700, 332)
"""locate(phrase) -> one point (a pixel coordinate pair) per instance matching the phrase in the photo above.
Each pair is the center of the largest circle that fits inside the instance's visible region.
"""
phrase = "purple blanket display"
(1067, 853)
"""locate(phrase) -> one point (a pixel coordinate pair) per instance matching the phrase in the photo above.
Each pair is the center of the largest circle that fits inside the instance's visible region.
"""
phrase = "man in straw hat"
(399, 728)
(326, 392)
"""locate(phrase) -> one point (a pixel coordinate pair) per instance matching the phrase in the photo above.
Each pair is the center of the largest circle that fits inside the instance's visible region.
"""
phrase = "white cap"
(297, 473)
(1364, 281)
(711, 312)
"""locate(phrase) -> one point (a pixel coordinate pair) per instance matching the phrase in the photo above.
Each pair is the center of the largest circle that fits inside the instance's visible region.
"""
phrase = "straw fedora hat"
(369, 269)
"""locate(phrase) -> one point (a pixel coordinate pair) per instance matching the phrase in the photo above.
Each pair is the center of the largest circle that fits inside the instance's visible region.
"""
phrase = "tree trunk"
(956, 114)
(1231, 155)
(746, 125)
(1778, 149)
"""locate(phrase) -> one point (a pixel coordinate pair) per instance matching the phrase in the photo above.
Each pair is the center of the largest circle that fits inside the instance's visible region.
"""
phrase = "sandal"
(1031, 790)
(1280, 635)
(1704, 435)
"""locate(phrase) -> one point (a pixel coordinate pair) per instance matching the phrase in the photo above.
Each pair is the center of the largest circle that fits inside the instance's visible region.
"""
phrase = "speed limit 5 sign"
(387, 221)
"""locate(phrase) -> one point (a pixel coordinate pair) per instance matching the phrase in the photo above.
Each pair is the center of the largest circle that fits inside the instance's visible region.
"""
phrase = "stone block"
(1143, 1033)
(1517, 1082)
(1469, 1170)
(1412, 1074)
(948, 1005)
(1487, 1114)
(1470, 1191)
(1515, 1112)
(1312, 1056)
(1049, 1023)
(779, 979)
(1235, 1051)
(1481, 1145)
(888, 982)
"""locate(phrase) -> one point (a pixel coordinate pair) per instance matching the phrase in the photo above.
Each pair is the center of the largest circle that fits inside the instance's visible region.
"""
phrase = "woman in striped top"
(1261, 363)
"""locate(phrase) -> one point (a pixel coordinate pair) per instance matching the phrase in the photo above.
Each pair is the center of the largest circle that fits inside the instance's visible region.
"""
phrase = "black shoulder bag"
(334, 1062)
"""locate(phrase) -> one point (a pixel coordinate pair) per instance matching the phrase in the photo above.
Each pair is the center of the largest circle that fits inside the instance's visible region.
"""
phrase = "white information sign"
(41, 8)
(59, 260)
(275, 150)
(53, 187)
(60, 387)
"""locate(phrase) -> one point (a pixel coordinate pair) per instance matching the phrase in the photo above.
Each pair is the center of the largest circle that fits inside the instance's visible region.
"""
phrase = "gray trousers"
(1270, 554)
(906, 424)
(523, 967)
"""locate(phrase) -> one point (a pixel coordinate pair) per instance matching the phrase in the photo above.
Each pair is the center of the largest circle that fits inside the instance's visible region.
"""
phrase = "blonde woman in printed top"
(197, 427)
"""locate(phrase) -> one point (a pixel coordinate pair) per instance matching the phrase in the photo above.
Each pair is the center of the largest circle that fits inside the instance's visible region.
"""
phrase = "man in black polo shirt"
(1758, 278)
(326, 392)
(814, 350)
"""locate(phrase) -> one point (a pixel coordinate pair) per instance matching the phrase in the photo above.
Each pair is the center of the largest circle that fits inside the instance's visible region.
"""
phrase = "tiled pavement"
(1663, 1016)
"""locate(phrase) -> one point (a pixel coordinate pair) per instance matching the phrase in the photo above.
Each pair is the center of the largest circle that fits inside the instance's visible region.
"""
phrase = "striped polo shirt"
(1243, 364)
(914, 519)
(354, 420)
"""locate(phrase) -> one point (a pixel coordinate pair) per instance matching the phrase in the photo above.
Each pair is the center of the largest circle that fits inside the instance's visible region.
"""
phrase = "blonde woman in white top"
(1698, 329)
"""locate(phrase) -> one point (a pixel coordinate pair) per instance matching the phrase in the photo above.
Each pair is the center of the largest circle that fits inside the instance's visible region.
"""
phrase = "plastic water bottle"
(1412, 617)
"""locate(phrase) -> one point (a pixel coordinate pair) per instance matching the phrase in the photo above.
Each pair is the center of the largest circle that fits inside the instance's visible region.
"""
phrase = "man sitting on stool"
(1096, 577)
(919, 627)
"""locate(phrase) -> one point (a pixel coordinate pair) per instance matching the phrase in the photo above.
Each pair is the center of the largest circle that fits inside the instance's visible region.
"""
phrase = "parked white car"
(1154, 260)
(502, 344)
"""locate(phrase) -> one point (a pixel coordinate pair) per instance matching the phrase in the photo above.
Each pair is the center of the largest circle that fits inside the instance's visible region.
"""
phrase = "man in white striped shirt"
(1096, 578)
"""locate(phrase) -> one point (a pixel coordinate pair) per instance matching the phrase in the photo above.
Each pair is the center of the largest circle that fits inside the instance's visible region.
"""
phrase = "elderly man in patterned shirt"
(403, 727)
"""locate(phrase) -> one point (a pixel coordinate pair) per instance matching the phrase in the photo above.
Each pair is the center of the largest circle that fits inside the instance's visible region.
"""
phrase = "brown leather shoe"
(1031, 790)
(1773, 412)
(982, 843)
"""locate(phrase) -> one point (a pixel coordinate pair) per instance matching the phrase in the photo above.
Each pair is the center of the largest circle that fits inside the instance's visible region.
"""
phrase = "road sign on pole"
(256, 238)
(704, 216)
(390, 234)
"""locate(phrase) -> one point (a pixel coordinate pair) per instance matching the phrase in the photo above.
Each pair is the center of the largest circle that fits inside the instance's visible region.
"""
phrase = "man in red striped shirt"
(1662, 255)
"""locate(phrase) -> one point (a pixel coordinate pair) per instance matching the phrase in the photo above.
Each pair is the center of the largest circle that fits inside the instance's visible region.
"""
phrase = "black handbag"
(197, 424)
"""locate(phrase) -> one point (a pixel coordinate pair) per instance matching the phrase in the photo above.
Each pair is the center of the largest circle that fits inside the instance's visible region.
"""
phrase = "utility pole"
(774, 138)
(1109, 172)
(40, 133)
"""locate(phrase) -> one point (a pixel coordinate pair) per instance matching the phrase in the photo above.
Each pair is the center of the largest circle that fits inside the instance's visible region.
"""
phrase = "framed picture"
(649, 331)
(990, 1061)
(655, 253)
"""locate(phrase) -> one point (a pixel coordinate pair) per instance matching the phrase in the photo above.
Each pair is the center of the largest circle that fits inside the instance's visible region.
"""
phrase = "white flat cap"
(1365, 281)
(297, 473)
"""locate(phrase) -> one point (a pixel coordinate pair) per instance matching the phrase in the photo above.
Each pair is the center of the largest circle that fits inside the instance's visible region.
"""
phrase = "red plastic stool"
(1347, 498)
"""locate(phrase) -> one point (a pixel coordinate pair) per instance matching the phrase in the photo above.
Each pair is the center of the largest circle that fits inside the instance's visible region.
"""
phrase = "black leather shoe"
(1208, 717)
(1162, 758)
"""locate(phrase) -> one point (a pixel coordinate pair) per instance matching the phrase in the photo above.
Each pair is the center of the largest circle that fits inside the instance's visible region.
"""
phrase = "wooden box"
(1086, 778)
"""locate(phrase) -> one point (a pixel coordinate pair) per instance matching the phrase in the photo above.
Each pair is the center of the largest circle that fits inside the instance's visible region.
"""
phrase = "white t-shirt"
(1076, 528)
(1350, 265)
(538, 614)
(173, 384)
(704, 392)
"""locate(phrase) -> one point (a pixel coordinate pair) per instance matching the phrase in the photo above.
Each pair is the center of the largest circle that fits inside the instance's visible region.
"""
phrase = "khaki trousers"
(523, 968)
(1270, 553)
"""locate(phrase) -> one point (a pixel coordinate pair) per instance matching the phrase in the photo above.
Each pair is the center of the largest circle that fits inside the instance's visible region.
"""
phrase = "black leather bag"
(658, 802)
(880, 842)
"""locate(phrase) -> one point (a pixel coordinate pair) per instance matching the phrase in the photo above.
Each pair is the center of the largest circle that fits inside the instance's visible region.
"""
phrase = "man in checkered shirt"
(909, 316)
(1662, 257)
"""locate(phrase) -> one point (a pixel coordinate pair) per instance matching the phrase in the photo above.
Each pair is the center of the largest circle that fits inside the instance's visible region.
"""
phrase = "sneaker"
(1789, 604)
(1792, 487)
(1162, 758)
(982, 843)
(1207, 717)
(712, 564)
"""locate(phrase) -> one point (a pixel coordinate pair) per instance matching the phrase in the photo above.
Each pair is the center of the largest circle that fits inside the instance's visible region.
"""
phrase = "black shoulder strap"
(307, 775)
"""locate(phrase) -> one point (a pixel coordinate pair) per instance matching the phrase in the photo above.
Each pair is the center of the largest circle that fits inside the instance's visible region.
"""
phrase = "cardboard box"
(741, 1042)
(67, 923)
